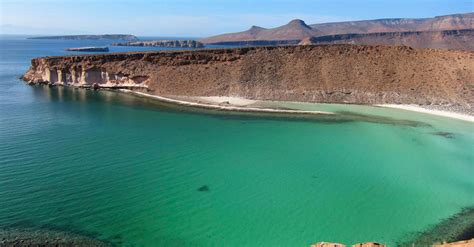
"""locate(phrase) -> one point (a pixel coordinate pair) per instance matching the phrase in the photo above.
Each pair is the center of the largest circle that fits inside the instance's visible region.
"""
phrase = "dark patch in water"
(262, 116)
(141, 103)
(467, 233)
(203, 188)
(46, 237)
(456, 228)
(447, 135)
(415, 140)
(116, 237)
(49, 234)
(381, 120)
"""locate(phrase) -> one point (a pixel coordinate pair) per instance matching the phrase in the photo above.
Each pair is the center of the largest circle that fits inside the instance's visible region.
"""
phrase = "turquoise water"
(135, 172)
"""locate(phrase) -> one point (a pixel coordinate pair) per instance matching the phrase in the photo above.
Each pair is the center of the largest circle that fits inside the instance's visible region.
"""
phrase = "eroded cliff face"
(78, 72)
(449, 39)
(324, 73)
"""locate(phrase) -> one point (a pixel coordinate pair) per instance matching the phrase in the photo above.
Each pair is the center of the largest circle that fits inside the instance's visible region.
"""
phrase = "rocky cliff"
(324, 73)
(164, 43)
(449, 39)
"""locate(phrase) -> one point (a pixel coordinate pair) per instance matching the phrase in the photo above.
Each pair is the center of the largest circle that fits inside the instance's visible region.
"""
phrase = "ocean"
(131, 171)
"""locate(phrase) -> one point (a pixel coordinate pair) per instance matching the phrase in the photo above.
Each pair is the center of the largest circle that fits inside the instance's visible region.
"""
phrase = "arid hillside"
(299, 30)
(323, 73)
(294, 30)
(451, 39)
(438, 23)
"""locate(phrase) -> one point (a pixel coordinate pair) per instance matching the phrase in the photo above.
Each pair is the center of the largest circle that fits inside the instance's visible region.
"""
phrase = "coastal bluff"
(164, 43)
(314, 73)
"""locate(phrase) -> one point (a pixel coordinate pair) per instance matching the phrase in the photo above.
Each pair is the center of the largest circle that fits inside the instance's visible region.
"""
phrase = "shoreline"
(421, 109)
(229, 107)
(244, 105)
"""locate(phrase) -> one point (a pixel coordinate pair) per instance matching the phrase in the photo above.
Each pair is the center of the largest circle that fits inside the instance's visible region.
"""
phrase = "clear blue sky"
(194, 18)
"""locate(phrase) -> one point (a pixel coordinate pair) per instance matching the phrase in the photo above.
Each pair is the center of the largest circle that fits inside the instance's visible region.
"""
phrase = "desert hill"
(297, 30)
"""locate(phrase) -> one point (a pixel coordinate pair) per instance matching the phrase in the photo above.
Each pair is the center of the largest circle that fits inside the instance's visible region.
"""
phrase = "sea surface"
(131, 171)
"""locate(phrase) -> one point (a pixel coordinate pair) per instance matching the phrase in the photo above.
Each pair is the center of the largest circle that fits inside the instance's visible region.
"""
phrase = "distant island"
(127, 37)
(89, 49)
(164, 43)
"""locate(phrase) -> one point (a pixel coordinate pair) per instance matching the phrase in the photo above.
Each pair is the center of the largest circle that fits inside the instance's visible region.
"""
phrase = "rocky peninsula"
(89, 49)
(355, 74)
(164, 43)
(127, 37)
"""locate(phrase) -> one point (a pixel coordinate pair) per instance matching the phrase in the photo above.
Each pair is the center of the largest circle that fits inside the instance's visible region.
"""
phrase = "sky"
(194, 18)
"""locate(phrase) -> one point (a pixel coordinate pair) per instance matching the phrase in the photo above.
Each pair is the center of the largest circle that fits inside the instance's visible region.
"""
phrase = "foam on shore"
(417, 108)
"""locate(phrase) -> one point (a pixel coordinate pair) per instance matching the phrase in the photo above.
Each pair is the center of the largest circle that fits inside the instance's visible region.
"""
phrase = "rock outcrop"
(324, 73)
(327, 244)
(165, 43)
(368, 244)
(126, 37)
(464, 243)
(307, 41)
(450, 39)
(89, 49)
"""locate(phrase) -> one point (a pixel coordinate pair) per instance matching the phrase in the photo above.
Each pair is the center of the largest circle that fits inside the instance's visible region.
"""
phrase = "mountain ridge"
(298, 29)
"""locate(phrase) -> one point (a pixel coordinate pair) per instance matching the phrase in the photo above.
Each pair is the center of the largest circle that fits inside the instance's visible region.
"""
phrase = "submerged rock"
(46, 238)
(203, 188)
(447, 135)
(456, 228)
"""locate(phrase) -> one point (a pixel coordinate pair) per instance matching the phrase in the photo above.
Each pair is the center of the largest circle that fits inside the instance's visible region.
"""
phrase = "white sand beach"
(247, 105)
(417, 108)
(224, 103)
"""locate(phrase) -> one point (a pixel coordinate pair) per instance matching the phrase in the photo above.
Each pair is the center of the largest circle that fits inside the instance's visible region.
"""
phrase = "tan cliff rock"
(327, 244)
(449, 39)
(324, 73)
(464, 243)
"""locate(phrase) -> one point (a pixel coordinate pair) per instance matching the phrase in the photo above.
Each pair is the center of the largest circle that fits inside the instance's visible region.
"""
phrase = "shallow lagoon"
(133, 171)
